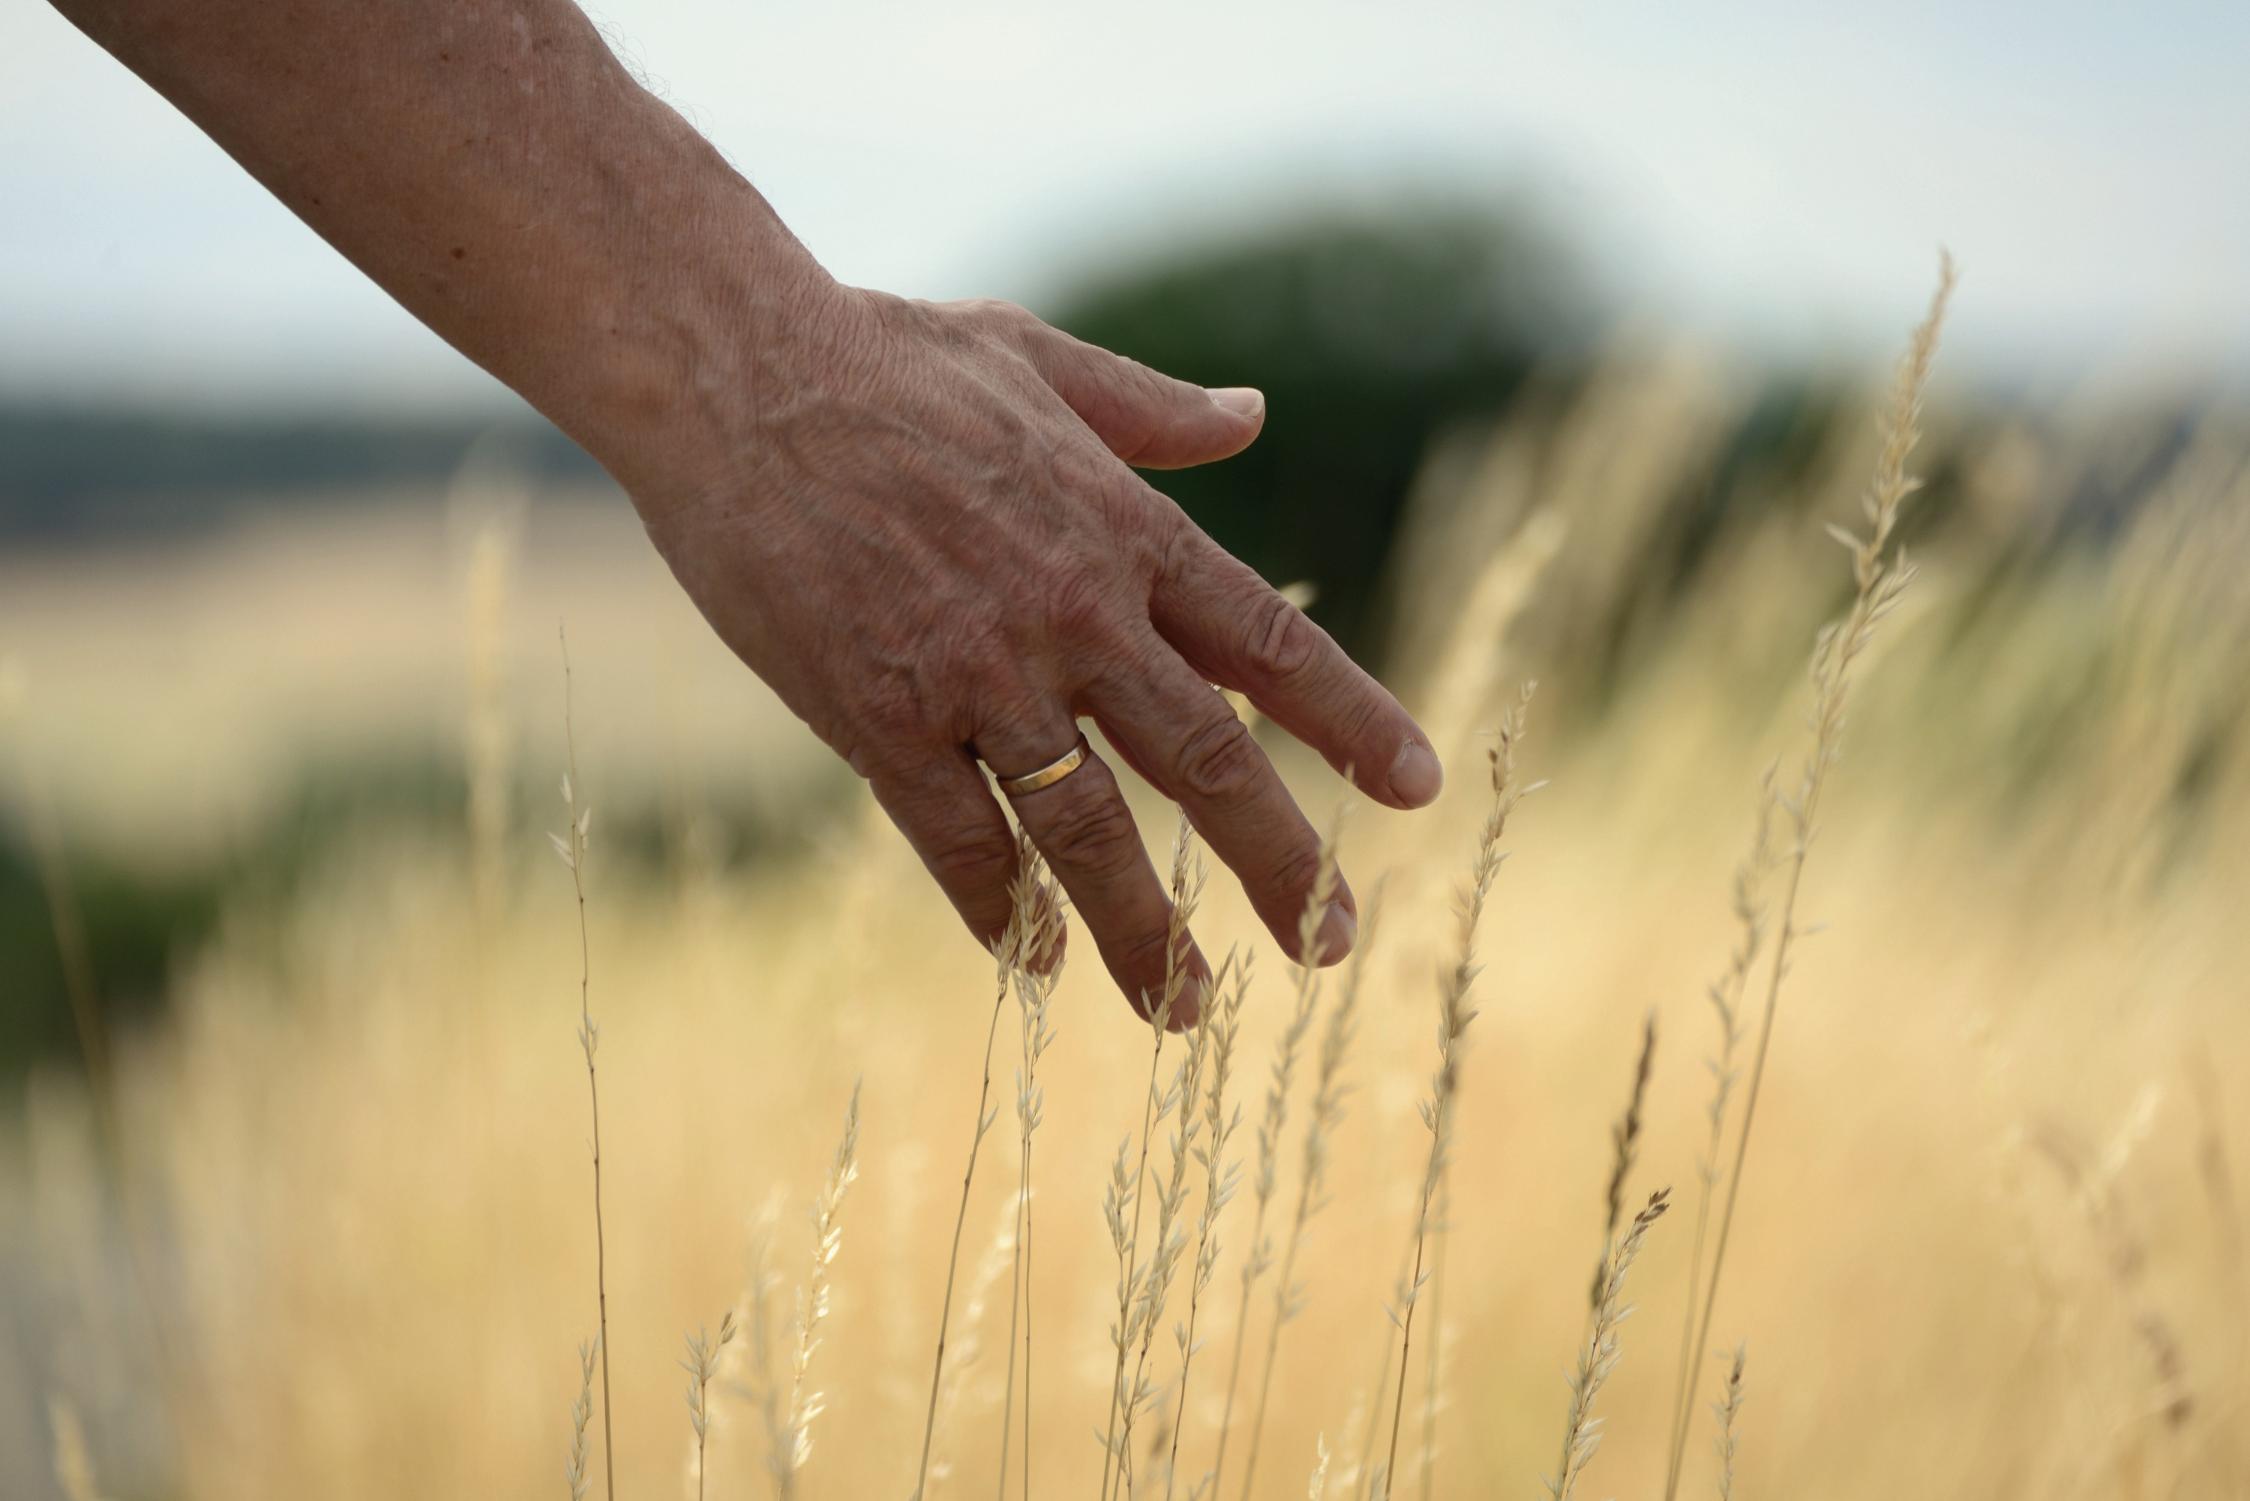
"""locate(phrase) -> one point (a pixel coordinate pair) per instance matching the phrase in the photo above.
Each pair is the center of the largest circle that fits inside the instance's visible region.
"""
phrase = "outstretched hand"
(920, 523)
(930, 540)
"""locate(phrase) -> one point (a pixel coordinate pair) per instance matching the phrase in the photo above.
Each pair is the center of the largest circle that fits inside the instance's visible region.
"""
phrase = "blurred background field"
(280, 728)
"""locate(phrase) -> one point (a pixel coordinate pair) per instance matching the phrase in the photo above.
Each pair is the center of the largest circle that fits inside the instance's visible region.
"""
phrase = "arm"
(916, 521)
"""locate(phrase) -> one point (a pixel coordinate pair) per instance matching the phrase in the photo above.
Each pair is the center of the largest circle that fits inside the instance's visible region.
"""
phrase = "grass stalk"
(702, 1365)
(1880, 581)
(805, 1404)
(1156, 1276)
(1625, 1149)
(1219, 1182)
(763, 1388)
(1454, 1016)
(581, 1414)
(1274, 1121)
(572, 848)
(1366, 1473)
(1035, 928)
(1598, 1355)
(1130, 1192)
(1005, 950)
(1581, 1434)
(1326, 1111)
(1433, 1368)
(1725, 996)
(1729, 1410)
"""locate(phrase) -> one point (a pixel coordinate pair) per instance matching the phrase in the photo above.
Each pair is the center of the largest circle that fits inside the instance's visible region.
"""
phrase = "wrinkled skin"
(936, 549)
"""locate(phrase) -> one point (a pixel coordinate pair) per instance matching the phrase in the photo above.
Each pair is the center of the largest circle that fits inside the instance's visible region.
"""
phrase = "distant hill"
(83, 474)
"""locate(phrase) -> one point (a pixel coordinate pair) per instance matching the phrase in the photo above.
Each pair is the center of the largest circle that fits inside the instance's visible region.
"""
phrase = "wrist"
(716, 306)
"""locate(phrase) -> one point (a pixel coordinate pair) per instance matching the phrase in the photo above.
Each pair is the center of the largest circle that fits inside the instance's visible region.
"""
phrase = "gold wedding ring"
(1046, 776)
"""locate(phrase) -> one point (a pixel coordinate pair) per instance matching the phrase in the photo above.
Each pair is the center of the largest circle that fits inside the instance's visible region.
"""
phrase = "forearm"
(497, 170)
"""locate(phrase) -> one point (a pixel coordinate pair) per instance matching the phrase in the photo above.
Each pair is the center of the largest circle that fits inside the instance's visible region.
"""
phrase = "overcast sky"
(1771, 173)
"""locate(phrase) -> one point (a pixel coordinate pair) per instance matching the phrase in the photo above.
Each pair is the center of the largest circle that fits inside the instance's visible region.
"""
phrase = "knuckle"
(1297, 871)
(1099, 838)
(1151, 387)
(1133, 433)
(1144, 953)
(1370, 717)
(1220, 759)
(1137, 412)
(1279, 642)
(1000, 316)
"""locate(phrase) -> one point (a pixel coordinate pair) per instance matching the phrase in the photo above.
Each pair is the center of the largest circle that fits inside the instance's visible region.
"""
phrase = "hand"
(926, 534)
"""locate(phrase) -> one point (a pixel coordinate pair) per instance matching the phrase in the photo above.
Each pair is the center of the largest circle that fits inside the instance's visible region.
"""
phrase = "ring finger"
(1082, 825)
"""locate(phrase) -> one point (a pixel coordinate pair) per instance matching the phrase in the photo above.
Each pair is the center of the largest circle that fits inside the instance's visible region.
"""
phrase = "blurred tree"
(1368, 330)
(131, 920)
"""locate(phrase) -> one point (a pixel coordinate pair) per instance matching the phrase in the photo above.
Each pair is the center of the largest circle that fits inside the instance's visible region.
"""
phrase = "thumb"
(1149, 420)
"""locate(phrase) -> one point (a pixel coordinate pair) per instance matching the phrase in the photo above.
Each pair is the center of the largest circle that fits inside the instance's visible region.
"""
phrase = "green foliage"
(1368, 332)
(139, 915)
(132, 920)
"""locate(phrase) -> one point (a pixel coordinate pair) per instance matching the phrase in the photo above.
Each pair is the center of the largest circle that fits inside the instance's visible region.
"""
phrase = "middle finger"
(1186, 738)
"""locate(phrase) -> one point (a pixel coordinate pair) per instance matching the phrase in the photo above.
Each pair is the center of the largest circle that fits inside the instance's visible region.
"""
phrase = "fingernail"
(1339, 930)
(1241, 401)
(1416, 776)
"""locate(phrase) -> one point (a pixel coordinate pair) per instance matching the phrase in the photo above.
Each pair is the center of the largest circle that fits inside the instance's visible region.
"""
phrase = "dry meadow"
(340, 1240)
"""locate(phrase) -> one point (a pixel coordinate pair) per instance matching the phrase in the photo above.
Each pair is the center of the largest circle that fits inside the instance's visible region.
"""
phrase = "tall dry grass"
(1996, 1163)
(1880, 580)
(570, 846)
(1454, 1016)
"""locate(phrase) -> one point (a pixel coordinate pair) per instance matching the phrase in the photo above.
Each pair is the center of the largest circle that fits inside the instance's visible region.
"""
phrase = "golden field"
(1988, 1243)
